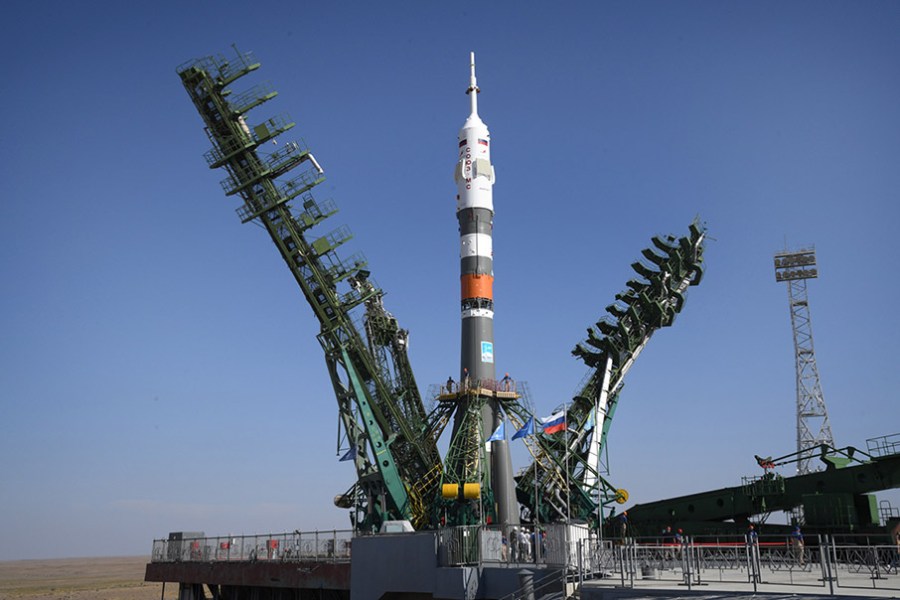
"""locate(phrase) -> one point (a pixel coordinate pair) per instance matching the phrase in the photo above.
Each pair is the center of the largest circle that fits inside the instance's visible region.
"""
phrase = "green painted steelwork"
(565, 482)
(466, 461)
(379, 403)
(399, 471)
(835, 499)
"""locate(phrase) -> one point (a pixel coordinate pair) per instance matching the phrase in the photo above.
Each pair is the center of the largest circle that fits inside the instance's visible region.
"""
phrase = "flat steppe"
(113, 578)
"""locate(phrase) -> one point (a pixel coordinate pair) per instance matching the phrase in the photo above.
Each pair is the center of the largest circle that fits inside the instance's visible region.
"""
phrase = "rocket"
(474, 176)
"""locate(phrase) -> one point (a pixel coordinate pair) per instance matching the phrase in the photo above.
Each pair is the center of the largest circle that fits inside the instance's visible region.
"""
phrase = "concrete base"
(407, 564)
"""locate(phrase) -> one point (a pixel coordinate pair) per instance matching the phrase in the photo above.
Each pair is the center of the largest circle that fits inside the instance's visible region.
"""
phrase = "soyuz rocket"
(474, 176)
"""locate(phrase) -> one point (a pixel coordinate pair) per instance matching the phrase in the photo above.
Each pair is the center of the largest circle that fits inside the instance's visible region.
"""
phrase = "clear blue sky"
(158, 366)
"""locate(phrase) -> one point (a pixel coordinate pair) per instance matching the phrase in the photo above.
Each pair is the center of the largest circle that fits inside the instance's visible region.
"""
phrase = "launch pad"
(473, 523)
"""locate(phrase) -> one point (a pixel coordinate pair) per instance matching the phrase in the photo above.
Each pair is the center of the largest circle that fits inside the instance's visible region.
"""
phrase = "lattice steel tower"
(812, 417)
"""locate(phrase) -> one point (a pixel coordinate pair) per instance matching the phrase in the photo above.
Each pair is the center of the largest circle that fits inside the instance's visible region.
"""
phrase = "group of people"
(674, 540)
(672, 537)
(506, 384)
(794, 540)
(520, 545)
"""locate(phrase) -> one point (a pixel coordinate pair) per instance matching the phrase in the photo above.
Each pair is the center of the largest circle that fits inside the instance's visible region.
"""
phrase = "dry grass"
(116, 578)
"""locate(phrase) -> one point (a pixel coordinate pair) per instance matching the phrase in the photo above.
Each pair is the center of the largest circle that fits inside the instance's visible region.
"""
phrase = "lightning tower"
(812, 418)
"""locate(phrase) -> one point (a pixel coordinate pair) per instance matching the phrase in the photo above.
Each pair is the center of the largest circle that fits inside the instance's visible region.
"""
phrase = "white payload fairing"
(474, 173)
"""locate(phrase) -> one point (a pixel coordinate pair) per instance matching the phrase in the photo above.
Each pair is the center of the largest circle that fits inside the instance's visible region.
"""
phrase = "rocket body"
(474, 177)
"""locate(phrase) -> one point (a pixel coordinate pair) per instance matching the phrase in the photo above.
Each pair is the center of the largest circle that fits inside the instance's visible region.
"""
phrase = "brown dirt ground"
(114, 578)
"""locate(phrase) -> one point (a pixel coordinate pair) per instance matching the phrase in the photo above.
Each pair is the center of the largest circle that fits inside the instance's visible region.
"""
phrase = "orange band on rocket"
(477, 286)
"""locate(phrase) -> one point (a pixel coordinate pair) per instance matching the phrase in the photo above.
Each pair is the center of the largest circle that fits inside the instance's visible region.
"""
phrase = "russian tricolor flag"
(555, 422)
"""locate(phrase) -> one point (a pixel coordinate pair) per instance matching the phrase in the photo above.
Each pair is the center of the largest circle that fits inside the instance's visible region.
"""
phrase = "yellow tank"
(471, 491)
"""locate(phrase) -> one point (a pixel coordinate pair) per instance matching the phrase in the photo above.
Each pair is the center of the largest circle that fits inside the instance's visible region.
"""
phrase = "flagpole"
(568, 485)
(568, 488)
(537, 505)
(485, 455)
(537, 464)
(599, 502)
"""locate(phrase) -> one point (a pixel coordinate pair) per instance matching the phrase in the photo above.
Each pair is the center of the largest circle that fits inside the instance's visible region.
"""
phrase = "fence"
(824, 562)
(554, 545)
(828, 563)
(333, 546)
(469, 545)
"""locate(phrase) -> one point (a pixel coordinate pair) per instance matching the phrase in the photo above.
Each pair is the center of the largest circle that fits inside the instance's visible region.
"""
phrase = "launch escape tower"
(387, 432)
(813, 430)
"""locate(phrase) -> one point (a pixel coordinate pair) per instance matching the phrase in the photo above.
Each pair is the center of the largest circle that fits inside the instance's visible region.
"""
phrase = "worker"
(507, 382)
(524, 546)
(450, 384)
(195, 550)
(796, 542)
(752, 537)
(897, 543)
(666, 539)
(753, 548)
(623, 524)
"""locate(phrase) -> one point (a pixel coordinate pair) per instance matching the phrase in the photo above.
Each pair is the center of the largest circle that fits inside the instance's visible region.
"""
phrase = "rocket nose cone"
(474, 121)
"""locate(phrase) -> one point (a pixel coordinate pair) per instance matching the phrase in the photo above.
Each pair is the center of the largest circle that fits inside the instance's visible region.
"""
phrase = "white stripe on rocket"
(476, 244)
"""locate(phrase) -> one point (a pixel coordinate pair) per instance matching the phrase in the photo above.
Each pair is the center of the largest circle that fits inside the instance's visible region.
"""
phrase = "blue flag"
(527, 429)
(500, 434)
(350, 455)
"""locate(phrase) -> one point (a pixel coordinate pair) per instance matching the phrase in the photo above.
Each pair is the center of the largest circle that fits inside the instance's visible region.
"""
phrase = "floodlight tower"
(795, 268)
